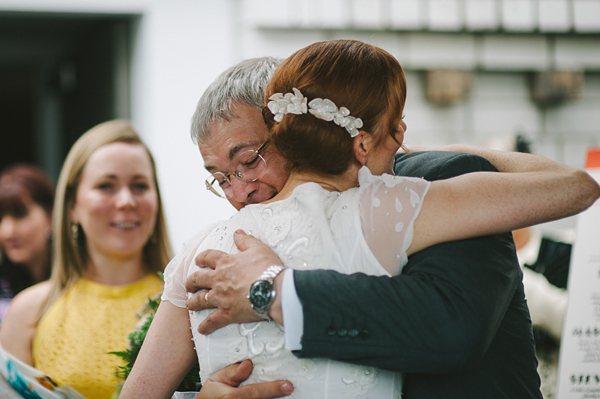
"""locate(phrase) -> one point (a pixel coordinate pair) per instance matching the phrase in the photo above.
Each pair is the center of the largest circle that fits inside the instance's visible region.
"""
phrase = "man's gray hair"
(243, 83)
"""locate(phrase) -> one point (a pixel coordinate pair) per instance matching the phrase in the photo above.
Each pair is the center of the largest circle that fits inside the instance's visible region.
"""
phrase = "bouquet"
(191, 382)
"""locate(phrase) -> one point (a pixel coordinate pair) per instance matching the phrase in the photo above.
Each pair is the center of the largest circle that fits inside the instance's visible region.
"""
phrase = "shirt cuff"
(291, 307)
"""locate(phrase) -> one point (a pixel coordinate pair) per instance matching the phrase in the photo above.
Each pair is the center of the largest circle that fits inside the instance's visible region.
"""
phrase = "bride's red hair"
(364, 78)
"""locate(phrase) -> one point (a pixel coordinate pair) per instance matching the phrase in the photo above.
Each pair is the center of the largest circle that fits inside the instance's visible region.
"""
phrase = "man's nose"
(241, 190)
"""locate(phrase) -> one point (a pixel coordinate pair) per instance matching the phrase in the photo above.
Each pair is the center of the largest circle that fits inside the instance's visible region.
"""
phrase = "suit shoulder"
(436, 165)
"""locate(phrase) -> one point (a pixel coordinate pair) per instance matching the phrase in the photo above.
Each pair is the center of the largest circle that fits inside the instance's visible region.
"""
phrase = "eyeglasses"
(246, 166)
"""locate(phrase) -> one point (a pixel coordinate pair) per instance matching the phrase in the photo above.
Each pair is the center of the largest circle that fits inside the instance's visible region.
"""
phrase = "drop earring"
(75, 231)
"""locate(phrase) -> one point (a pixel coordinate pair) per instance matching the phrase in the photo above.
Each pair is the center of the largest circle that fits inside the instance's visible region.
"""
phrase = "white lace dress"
(366, 229)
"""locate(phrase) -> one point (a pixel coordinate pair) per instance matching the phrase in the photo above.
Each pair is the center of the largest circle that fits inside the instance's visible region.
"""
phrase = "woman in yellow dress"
(110, 240)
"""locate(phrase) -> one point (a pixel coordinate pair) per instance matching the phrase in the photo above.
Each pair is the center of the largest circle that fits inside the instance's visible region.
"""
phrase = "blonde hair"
(69, 254)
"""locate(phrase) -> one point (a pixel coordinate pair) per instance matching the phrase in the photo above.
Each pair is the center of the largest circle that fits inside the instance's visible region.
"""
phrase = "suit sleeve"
(439, 315)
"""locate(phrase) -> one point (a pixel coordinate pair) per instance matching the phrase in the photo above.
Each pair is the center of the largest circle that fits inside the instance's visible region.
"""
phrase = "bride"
(333, 108)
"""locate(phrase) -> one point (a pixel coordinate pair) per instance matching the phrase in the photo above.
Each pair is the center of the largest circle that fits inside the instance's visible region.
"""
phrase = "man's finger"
(245, 241)
(212, 322)
(195, 302)
(200, 301)
(233, 374)
(209, 258)
(199, 280)
(265, 390)
(240, 373)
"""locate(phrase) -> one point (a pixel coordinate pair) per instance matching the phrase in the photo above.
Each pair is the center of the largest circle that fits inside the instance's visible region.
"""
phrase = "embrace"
(309, 159)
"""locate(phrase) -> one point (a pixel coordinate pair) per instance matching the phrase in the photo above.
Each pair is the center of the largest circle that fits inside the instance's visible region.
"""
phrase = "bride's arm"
(167, 353)
(165, 357)
(504, 161)
(533, 190)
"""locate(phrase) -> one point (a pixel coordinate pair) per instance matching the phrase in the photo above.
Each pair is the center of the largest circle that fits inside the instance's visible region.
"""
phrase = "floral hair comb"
(325, 109)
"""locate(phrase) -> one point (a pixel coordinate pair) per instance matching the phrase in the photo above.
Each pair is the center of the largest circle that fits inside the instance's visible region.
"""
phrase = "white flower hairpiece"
(290, 103)
(295, 103)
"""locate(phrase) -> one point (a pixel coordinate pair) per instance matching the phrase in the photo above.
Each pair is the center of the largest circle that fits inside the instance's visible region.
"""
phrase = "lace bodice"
(366, 229)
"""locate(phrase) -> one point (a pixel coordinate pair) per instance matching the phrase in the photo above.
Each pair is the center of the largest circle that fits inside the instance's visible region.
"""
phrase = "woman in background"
(26, 198)
(110, 240)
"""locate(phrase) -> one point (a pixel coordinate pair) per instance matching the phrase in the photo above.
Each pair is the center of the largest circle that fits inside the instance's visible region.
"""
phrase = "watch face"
(261, 294)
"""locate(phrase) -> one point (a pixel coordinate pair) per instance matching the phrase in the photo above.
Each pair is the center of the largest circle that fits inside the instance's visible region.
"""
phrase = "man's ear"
(363, 144)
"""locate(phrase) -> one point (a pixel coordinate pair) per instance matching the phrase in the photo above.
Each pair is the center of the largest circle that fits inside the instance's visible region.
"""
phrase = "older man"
(455, 321)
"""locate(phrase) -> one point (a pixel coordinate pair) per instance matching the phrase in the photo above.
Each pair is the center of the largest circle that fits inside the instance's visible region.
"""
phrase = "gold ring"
(206, 299)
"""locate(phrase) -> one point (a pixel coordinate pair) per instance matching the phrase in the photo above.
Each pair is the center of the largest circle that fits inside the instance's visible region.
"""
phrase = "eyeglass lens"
(247, 166)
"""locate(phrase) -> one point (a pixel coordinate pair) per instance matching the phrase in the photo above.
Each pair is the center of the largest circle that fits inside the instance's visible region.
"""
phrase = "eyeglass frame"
(209, 185)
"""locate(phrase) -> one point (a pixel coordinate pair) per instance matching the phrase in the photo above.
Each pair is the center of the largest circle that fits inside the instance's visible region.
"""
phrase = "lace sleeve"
(389, 206)
(177, 270)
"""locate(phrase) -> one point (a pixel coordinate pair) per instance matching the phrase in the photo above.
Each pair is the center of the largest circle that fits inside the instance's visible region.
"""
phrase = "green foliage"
(136, 338)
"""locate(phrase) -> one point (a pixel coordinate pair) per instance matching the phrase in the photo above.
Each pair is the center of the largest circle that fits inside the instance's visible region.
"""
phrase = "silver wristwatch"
(262, 292)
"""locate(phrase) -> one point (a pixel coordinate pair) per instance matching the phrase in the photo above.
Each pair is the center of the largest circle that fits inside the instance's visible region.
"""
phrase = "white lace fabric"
(176, 271)
(311, 229)
(388, 220)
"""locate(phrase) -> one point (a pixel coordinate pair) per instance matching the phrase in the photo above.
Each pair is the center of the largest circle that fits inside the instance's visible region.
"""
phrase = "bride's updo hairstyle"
(365, 79)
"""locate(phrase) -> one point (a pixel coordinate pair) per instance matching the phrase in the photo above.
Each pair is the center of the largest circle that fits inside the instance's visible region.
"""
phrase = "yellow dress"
(89, 320)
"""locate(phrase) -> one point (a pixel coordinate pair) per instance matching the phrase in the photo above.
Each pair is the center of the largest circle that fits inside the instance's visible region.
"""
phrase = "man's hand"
(225, 280)
(223, 383)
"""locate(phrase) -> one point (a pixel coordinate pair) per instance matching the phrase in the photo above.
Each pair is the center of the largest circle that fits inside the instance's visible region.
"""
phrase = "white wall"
(182, 45)
(179, 48)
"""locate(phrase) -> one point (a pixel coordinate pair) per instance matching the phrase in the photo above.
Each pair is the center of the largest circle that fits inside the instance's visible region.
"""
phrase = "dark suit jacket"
(455, 321)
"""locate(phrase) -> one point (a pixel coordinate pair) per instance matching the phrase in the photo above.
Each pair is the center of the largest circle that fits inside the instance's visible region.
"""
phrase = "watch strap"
(268, 275)
(271, 272)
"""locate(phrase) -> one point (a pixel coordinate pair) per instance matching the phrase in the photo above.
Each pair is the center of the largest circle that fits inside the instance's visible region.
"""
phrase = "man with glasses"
(455, 321)
(232, 142)
(246, 166)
